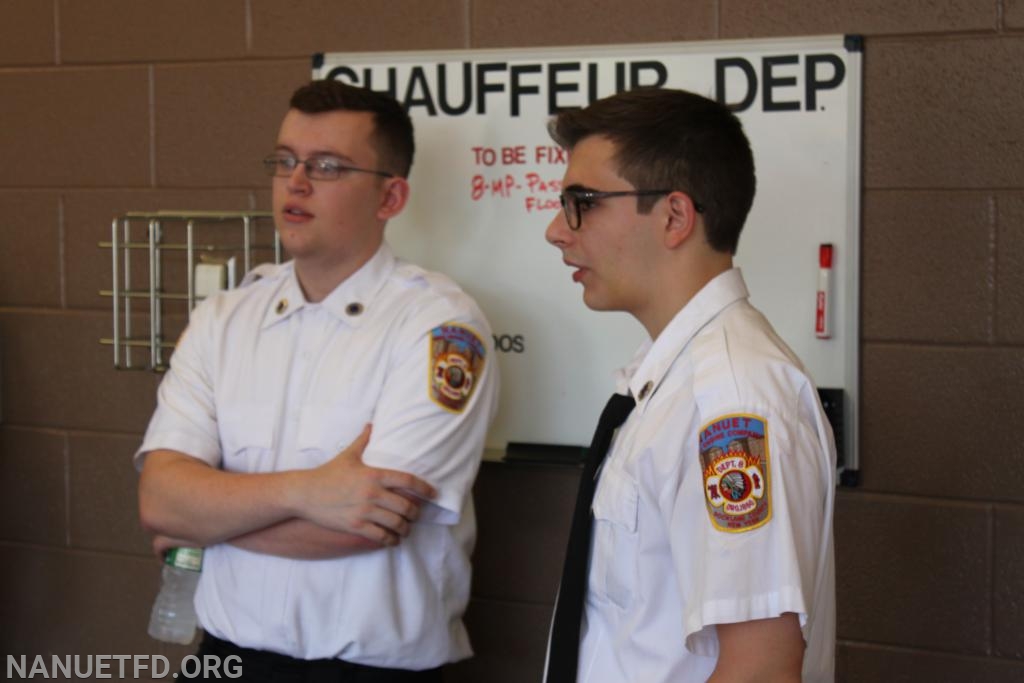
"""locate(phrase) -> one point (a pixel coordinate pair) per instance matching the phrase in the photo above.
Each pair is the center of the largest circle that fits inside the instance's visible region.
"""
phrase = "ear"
(681, 222)
(393, 198)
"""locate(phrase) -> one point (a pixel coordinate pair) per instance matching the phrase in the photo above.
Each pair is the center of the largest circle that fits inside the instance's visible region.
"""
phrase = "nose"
(558, 232)
(298, 181)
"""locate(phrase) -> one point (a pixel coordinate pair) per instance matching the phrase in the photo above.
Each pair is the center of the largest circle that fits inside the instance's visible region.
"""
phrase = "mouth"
(293, 214)
(578, 272)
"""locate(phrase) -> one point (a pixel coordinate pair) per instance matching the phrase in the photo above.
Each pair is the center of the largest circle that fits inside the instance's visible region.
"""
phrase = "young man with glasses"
(711, 532)
(333, 550)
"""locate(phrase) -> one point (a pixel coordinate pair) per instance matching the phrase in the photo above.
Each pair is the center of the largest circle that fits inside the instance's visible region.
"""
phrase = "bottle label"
(185, 558)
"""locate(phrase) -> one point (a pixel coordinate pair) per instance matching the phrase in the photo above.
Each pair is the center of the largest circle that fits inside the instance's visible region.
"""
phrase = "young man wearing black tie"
(706, 551)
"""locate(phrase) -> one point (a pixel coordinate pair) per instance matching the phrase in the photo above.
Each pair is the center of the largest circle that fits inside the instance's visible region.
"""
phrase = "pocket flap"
(617, 499)
(329, 428)
(246, 425)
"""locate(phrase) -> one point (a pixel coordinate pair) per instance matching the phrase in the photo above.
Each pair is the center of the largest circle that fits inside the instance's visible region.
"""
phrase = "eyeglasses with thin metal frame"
(574, 201)
(316, 167)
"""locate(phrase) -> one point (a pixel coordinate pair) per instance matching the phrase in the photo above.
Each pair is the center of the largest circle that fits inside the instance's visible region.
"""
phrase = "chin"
(293, 238)
(594, 302)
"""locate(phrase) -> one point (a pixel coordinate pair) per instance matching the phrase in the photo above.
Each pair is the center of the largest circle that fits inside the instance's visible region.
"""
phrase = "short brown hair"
(393, 137)
(674, 139)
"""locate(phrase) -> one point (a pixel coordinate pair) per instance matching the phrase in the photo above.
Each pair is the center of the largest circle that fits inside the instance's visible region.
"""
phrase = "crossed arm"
(341, 508)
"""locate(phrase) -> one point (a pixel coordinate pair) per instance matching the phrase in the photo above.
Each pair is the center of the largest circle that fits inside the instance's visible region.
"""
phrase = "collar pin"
(645, 390)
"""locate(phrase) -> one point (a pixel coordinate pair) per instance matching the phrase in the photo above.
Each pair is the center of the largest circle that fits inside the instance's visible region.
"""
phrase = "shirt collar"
(653, 359)
(349, 300)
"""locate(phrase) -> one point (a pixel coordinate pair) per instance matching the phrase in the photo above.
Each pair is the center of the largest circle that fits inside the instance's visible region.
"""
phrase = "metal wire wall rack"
(173, 250)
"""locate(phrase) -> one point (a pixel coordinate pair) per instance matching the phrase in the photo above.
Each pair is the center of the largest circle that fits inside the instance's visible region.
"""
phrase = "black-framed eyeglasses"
(576, 201)
(321, 167)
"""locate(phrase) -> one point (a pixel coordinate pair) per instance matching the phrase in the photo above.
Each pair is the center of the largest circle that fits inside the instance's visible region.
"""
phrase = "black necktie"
(563, 651)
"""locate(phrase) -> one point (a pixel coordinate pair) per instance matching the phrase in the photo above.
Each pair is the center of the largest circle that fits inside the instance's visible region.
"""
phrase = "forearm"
(185, 498)
(303, 540)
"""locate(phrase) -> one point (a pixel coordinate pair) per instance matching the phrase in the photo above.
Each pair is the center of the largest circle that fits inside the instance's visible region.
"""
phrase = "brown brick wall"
(126, 105)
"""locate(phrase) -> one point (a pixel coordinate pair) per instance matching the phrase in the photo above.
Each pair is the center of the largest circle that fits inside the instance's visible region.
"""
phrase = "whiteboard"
(486, 178)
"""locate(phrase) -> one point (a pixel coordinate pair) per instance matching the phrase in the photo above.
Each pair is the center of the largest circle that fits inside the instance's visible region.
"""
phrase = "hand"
(377, 504)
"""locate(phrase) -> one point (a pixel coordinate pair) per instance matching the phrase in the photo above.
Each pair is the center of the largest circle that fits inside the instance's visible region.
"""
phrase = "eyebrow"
(316, 153)
(576, 187)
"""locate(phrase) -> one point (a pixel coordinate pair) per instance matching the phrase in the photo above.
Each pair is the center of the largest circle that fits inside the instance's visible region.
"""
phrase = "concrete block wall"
(132, 105)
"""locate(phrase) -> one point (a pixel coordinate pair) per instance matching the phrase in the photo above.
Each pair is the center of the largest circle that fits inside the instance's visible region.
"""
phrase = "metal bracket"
(168, 274)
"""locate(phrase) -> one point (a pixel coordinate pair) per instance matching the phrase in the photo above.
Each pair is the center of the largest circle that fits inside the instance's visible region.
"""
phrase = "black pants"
(260, 666)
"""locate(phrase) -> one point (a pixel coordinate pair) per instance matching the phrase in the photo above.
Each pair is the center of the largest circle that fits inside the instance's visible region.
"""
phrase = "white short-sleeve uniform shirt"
(264, 381)
(714, 505)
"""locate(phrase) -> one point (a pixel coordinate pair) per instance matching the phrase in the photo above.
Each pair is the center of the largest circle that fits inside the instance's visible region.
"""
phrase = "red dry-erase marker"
(823, 312)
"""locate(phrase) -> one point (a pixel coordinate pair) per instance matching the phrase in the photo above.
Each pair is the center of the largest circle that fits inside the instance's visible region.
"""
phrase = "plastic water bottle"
(174, 614)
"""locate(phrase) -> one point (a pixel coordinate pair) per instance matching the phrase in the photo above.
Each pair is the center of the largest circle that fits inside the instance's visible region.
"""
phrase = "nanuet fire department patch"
(734, 457)
(456, 363)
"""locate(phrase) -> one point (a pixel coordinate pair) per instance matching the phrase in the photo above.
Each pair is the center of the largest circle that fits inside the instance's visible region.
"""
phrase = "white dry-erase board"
(486, 178)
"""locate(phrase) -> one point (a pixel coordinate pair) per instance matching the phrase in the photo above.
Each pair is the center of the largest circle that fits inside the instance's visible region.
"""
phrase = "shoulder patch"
(456, 362)
(734, 459)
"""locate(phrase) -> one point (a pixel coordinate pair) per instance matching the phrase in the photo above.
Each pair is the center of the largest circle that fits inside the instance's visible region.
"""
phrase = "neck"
(677, 287)
(318, 279)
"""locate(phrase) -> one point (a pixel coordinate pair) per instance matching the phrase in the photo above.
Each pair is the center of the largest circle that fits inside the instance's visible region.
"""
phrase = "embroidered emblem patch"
(734, 457)
(456, 361)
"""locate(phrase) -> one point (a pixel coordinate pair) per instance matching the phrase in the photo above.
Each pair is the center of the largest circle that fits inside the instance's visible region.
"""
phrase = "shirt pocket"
(247, 436)
(326, 429)
(616, 544)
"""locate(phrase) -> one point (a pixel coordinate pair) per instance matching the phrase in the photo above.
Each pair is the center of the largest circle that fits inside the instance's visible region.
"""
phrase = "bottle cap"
(185, 558)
